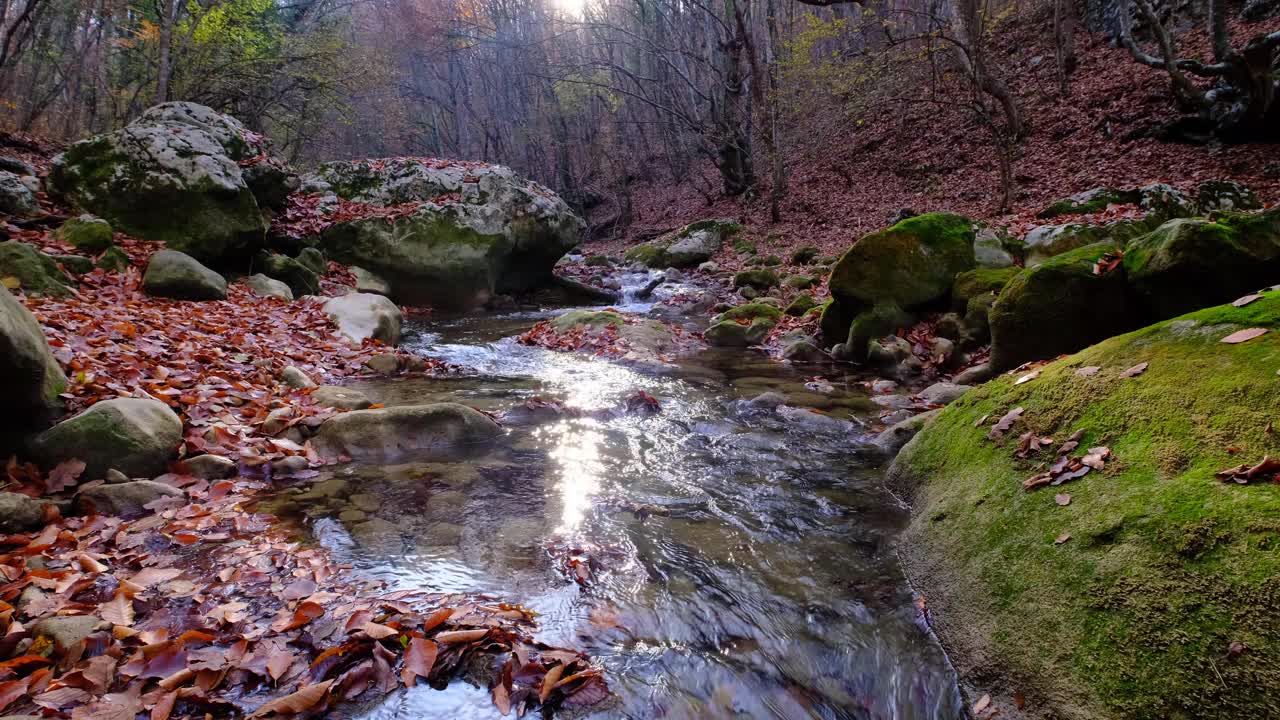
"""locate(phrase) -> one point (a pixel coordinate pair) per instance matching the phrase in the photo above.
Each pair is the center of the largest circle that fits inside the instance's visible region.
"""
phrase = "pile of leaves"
(1064, 467)
(205, 607)
(214, 363)
(601, 342)
(309, 215)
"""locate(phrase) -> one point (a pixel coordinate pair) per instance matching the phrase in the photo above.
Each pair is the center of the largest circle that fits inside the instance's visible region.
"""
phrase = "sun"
(572, 8)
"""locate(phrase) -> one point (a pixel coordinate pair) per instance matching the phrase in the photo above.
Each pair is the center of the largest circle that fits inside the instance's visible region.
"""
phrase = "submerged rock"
(176, 275)
(30, 378)
(133, 435)
(479, 230)
(383, 434)
(1152, 552)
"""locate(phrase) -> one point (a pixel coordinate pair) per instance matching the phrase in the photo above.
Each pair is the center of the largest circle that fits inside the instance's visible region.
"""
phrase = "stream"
(742, 562)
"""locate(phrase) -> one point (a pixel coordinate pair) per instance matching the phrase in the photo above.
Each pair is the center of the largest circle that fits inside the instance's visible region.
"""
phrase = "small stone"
(209, 467)
(979, 373)
(352, 515)
(366, 501)
(384, 364)
(709, 266)
(115, 476)
(295, 378)
(277, 420)
(291, 465)
(66, 630)
(20, 513)
(340, 398)
(269, 287)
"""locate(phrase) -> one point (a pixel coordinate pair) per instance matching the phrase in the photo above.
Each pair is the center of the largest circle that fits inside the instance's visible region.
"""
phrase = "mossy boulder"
(801, 305)
(30, 378)
(114, 260)
(979, 281)
(750, 311)
(173, 174)
(86, 233)
(761, 279)
(881, 319)
(176, 275)
(1049, 241)
(23, 267)
(834, 322)
(136, 436)
(1188, 264)
(394, 433)
(739, 334)
(74, 264)
(694, 244)
(1058, 307)
(912, 263)
(589, 319)
(801, 282)
(478, 231)
(647, 254)
(314, 260)
(1144, 596)
(992, 248)
(299, 276)
(1089, 201)
(804, 255)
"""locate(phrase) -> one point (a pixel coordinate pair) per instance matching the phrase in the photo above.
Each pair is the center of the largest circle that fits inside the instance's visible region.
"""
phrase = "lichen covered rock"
(173, 174)
(419, 431)
(30, 378)
(176, 275)
(23, 267)
(1140, 597)
(478, 230)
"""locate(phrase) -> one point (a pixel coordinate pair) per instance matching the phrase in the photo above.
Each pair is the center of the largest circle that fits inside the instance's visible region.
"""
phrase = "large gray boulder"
(16, 198)
(268, 287)
(30, 378)
(20, 513)
(174, 174)
(133, 435)
(179, 276)
(387, 434)
(478, 231)
(361, 316)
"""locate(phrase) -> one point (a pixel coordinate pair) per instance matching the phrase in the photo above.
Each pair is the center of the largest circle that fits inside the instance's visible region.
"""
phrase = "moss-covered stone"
(132, 435)
(979, 281)
(114, 260)
(594, 319)
(750, 311)
(882, 319)
(86, 233)
(1165, 567)
(648, 254)
(1192, 263)
(1048, 241)
(834, 322)
(1058, 307)
(314, 260)
(1089, 201)
(804, 255)
(744, 246)
(31, 270)
(30, 378)
(176, 275)
(801, 282)
(912, 263)
(300, 278)
(731, 333)
(803, 303)
(760, 279)
(75, 264)
(597, 261)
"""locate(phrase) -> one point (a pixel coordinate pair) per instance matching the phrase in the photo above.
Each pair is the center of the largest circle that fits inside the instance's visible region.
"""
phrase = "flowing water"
(742, 557)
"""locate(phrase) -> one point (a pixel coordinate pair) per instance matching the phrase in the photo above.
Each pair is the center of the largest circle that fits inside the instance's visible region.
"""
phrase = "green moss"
(722, 226)
(804, 255)
(743, 245)
(912, 263)
(730, 333)
(34, 271)
(86, 233)
(801, 282)
(1166, 566)
(749, 311)
(301, 279)
(765, 261)
(761, 279)
(980, 281)
(593, 319)
(834, 322)
(114, 260)
(1059, 306)
(648, 254)
(801, 305)
(1089, 202)
(882, 319)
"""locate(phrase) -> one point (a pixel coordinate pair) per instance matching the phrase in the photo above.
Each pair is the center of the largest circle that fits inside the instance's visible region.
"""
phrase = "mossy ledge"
(1136, 614)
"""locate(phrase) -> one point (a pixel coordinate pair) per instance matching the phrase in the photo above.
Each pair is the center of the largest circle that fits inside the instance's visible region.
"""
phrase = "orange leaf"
(298, 702)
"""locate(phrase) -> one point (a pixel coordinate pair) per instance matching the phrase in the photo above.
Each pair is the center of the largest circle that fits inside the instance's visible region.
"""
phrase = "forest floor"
(936, 158)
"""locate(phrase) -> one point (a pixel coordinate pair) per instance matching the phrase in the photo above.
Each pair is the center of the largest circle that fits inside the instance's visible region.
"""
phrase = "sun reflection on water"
(576, 450)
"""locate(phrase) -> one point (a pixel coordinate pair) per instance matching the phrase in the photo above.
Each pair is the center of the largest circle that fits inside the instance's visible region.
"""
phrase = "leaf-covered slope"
(1161, 603)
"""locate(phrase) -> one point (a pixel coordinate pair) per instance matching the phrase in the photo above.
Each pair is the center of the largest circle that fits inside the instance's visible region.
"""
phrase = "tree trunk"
(734, 151)
(164, 70)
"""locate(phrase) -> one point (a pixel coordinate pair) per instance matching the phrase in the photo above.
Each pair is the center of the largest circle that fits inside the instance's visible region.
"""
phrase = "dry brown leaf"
(1088, 370)
(419, 658)
(378, 631)
(1135, 371)
(119, 610)
(983, 703)
(1028, 377)
(1062, 538)
(1062, 499)
(460, 636)
(279, 661)
(1003, 424)
(1241, 302)
(1245, 335)
(298, 702)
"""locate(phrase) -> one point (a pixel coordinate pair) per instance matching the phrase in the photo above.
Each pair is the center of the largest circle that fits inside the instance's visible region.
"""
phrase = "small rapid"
(740, 556)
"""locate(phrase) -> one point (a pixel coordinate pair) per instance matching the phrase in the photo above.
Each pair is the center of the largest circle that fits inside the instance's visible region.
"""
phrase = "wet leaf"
(1245, 335)
(460, 636)
(305, 613)
(1062, 499)
(1088, 371)
(378, 632)
(549, 681)
(419, 658)
(299, 702)
(1241, 302)
(119, 611)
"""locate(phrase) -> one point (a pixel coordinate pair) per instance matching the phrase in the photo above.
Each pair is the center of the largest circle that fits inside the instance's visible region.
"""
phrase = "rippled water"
(744, 560)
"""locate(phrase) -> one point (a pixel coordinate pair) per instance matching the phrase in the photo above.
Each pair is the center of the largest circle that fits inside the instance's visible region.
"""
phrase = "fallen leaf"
(280, 660)
(460, 636)
(1028, 377)
(64, 475)
(1241, 302)
(299, 702)
(419, 658)
(119, 610)
(1062, 499)
(1003, 424)
(1062, 538)
(1088, 370)
(1245, 335)
(1135, 371)
(549, 682)
(378, 631)
(983, 703)
(305, 613)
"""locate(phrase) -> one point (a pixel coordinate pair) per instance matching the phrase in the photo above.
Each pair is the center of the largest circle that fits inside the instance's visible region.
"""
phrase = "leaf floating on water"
(1062, 538)
(1063, 499)
(1028, 377)
(1241, 302)
(1135, 371)
(1088, 370)
(1245, 335)
(1003, 424)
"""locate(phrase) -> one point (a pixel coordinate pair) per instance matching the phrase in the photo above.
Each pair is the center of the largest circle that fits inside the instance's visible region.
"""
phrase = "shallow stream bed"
(742, 563)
